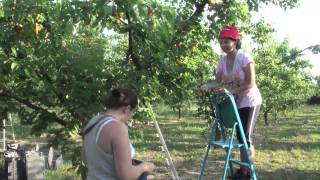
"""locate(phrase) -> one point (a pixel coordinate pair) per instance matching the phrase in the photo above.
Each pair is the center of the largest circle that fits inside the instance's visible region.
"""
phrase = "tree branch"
(4, 92)
(185, 27)
(130, 53)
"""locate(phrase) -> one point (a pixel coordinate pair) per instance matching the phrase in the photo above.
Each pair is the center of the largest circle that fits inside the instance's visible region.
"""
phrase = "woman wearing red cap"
(237, 70)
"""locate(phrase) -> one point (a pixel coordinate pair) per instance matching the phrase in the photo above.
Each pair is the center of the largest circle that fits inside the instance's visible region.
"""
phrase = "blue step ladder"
(227, 117)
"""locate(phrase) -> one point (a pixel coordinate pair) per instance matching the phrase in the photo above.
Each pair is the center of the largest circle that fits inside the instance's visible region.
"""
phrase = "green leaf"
(14, 51)
(315, 49)
(27, 72)
(108, 10)
(1, 13)
(14, 66)
(69, 28)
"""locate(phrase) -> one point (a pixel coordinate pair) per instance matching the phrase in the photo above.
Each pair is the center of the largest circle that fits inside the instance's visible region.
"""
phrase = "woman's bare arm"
(213, 84)
(121, 151)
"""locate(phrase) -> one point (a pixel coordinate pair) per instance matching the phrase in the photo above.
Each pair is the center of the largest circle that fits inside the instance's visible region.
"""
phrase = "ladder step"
(225, 144)
(240, 163)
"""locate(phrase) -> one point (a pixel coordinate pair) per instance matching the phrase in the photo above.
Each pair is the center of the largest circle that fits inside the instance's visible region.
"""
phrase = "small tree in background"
(283, 77)
(316, 98)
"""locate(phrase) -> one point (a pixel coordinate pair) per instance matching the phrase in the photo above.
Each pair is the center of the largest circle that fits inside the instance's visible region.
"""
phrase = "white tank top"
(100, 163)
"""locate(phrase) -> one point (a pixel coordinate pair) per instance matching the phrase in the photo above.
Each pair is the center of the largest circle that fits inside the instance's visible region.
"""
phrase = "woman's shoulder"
(117, 124)
(115, 130)
(116, 127)
(245, 57)
(222, 60)
(244, 54)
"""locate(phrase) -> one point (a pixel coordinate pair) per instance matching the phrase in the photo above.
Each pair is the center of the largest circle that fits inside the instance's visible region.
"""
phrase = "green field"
(289, 148)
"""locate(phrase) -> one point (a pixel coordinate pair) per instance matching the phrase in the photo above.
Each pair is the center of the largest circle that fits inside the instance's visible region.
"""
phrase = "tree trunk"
(217, 134)
(265, 114)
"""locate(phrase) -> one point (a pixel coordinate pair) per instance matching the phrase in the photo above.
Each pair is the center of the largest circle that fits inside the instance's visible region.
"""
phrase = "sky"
(300, 25)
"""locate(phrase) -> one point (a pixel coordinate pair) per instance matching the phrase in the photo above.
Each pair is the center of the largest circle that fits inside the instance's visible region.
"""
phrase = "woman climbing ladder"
(237, 70)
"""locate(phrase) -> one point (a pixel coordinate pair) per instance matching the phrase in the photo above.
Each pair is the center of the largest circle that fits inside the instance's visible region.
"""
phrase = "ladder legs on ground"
(229, 160)
(227, 117)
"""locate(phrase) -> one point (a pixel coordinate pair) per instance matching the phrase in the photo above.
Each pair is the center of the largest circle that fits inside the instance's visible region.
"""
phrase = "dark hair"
(238, 44)
(119, 97)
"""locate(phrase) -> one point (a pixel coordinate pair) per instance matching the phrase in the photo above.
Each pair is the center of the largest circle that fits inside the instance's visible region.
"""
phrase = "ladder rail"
(169, 161)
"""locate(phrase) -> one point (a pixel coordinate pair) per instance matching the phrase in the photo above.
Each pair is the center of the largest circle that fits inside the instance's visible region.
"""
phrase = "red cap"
(229, 32)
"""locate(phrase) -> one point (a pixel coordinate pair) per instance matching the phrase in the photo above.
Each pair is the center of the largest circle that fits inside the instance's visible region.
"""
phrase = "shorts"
(248, 116)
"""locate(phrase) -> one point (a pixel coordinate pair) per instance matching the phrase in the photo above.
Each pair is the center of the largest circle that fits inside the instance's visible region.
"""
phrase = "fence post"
(4, 134)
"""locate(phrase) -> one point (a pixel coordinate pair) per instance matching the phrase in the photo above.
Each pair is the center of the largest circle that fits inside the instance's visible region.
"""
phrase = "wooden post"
(4, 134)
(10, 119)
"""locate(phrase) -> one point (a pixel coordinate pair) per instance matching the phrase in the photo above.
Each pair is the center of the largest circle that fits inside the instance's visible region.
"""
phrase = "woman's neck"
(232, 55)
(115, 113)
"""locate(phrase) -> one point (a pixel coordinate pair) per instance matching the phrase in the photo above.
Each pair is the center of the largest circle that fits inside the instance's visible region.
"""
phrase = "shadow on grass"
(190, 169)
(283, 145)
(215, 172)
(288, 173)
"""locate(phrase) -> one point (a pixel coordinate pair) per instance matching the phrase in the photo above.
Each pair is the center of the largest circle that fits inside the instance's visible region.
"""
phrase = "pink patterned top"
(236, 78)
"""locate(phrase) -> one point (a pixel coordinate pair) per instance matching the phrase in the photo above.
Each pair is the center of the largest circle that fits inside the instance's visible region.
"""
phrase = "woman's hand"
(220, 90)
(204, 89)
(148, 166)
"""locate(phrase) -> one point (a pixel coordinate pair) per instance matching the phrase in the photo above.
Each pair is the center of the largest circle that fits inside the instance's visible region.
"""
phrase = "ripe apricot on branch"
(117, 21)
(40, 18)
(211, 2)
(150, 12)
(118, 16)
(38, 28)
(13, 8)
(194, 45)
(179, 62)
(121, 14)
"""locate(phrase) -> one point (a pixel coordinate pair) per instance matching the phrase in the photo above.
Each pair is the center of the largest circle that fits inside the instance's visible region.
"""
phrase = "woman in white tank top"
(107, 150)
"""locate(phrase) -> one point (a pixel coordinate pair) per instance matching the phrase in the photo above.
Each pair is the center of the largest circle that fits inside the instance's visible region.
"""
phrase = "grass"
(288, 148)
(65, 172)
